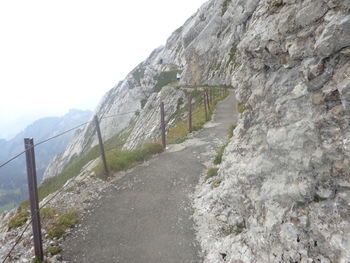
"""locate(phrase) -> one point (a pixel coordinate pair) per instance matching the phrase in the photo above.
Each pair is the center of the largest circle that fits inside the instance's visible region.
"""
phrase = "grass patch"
(18, 219)
(62, 223)
(119, 160)
(212, 172)
(165, 78)
(230, 131)
(181, 140)
(37, 260)
(48, 213)
(53, 250)
(218, 157)
(240, 107)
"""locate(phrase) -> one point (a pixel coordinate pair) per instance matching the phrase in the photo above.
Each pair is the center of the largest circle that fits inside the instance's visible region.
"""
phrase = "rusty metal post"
(211, 96)
(205, 106)
(162, 123)
(190, 114)
(207, 95)
(102, 149)
(33, 197)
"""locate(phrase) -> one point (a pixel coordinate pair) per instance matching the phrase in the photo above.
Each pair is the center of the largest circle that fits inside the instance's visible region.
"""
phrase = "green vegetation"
(232, 58)
(181, 140)
(225, 6)
(318, 198)
(218, 157)
(37, 260)
(230, 130)
(119, 160)
(211, 173)
(48, 213)
(62, 223)
(18, 219)
(165, 78)
(239, 228)
(240, 107)
(138, 74)
(232, 229)
(53, 250)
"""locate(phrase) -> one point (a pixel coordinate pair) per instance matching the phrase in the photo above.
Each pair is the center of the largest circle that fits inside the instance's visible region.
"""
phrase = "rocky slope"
(283, 192)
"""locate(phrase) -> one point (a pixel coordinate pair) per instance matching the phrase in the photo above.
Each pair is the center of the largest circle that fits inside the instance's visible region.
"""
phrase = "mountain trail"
(146, 216)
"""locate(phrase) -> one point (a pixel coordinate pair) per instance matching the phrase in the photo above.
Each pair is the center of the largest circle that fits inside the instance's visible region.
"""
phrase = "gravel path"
(146, 216)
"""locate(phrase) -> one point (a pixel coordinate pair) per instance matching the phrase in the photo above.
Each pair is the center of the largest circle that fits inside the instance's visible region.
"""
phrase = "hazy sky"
(57, 55)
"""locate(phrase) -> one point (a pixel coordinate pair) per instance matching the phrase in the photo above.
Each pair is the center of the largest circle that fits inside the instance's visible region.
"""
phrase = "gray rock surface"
(284, 192)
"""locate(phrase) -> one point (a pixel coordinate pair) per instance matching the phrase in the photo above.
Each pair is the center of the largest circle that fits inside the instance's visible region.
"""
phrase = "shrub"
(19, 219)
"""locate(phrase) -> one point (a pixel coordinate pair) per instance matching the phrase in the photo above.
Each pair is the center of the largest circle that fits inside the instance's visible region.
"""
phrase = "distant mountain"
(13, 180)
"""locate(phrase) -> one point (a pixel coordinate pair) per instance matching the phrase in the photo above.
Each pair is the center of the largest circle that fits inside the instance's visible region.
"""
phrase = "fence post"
(33, 197)
(207, 95)
(205, 106)
(162, 123)
(102, 149)
(190, 114)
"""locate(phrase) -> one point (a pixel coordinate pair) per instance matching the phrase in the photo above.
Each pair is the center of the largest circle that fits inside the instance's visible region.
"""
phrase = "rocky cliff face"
(283, 192)
(284, 182)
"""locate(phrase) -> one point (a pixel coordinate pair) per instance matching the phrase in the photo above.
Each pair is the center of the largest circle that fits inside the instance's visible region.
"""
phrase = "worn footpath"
(146, 215)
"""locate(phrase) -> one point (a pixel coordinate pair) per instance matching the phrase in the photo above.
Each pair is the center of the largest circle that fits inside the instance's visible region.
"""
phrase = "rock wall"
(284, 192)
